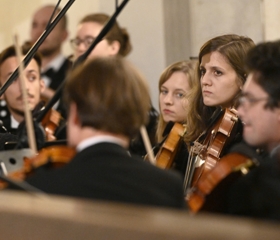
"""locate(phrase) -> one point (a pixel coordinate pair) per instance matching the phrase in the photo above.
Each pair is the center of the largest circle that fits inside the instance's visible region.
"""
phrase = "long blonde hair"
(187, 67)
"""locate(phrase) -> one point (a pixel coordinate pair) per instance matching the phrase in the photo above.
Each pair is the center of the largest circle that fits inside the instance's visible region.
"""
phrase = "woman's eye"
(202, 72)
(163, 92)
(218, 73)
(179, 95)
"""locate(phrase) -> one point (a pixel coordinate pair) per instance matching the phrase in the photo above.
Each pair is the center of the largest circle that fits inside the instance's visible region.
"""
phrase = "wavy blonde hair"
(187, 67)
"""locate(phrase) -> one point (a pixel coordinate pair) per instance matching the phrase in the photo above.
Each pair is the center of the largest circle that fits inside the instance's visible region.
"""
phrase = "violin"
(209, 152)
(166, 155)
(208, 193)
(50, 123)
(51, 157)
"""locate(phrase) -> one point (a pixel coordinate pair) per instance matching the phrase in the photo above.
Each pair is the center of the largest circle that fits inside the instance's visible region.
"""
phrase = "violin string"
(191, 164)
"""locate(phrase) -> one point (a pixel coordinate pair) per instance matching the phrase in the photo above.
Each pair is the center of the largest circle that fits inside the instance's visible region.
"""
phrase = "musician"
(257, 194)
(13, 95)
(116, 42)
(54, 65)
(222, 74)
(108, 101)
(175, 84)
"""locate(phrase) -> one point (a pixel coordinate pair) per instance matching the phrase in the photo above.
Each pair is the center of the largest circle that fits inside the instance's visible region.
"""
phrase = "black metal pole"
(81, 59)
(36, 46)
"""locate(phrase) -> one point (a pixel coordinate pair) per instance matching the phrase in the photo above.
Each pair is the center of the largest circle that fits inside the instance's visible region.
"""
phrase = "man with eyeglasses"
(257, 194)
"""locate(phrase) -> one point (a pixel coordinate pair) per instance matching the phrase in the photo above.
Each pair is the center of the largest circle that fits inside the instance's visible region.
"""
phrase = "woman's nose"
(168, 99)
(205, 79)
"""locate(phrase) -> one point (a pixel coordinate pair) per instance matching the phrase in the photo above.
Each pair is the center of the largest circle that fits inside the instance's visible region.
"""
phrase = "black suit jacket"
(7, 124)
(57, 77)
(106, 171)
(257, 194)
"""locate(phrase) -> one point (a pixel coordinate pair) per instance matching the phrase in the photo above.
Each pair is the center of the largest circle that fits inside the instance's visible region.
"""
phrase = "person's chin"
(249, 138)
(169, 119)
(209, 103)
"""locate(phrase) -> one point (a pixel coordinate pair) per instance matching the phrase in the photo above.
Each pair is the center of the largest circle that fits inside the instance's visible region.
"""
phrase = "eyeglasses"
(249, 101)
(75, 42)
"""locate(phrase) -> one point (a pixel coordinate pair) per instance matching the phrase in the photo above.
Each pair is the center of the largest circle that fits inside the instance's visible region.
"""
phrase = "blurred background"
(161, 31)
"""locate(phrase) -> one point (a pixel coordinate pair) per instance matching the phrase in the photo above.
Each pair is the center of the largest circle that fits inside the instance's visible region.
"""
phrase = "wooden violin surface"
(166, 154)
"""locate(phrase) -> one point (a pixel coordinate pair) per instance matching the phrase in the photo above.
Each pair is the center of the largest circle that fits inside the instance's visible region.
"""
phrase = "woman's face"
(219, 81)
(172, 98)
(85, 35)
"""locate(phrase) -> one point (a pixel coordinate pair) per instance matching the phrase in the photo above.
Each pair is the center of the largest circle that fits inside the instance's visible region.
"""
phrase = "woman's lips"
(167, 111)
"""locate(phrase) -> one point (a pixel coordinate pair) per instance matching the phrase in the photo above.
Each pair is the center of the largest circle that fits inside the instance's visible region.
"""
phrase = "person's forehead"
(251, 86)
(43, 14)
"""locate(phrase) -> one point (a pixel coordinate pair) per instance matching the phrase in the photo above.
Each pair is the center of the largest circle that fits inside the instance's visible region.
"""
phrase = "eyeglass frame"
(251, 101)
(75, 42)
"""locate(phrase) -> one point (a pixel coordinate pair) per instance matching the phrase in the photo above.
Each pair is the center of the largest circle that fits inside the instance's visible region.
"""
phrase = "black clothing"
(105, 171)
(7, 124)
(257, 194)
(40, 135)
(137, 144)
(57, 78)
(181, 158)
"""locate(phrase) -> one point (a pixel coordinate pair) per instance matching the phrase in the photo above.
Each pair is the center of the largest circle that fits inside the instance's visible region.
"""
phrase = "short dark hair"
(264, 61)
(110, 94)
(11, 52)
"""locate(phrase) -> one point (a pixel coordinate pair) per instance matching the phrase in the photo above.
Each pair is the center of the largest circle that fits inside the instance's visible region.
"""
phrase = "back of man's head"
(110, 95)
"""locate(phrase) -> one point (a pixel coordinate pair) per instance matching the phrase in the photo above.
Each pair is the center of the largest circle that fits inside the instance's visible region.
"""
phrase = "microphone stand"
(36, 46)
(81, 59)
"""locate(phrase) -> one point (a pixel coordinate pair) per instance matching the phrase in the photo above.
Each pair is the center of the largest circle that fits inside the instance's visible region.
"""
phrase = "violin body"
(166, 155)
(209, 192)
(52, 157)
(217, 139)
(209, 152)
(50, 123)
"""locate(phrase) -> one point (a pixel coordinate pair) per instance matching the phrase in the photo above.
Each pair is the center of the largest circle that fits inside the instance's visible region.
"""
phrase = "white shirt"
(98, 139)
(14, 122)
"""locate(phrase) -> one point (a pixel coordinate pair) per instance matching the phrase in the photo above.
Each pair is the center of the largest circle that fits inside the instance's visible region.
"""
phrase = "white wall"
(143, 20)
(210, 18)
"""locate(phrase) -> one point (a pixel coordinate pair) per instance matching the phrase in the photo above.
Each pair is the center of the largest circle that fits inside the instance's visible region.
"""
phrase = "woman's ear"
(115, 48)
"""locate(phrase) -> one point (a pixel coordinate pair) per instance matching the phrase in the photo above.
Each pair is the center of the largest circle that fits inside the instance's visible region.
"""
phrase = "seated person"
(257, 194)
(13, 95)
(107, 102)
(116, 42)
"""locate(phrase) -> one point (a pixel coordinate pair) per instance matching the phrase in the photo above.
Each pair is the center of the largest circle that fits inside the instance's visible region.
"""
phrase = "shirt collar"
(56, 63)
(14, 122)
(97, 139)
